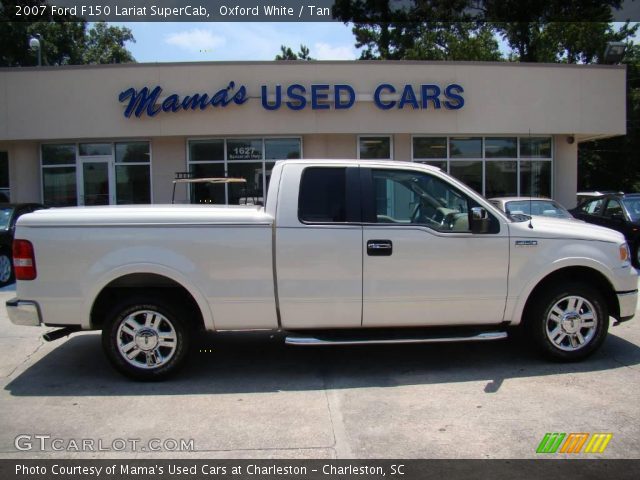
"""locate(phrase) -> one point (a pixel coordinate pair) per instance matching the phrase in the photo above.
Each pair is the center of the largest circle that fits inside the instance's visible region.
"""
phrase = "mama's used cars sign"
(151, 101)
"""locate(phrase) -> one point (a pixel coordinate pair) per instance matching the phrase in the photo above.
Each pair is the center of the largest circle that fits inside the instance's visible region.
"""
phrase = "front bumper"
(24, 312)
(628, 302)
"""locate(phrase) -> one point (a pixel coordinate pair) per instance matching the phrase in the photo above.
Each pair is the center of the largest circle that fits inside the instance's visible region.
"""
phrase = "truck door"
(421, 263)
(319, 247)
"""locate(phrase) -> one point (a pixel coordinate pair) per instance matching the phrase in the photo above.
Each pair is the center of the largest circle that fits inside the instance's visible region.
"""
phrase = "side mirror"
(479, 220)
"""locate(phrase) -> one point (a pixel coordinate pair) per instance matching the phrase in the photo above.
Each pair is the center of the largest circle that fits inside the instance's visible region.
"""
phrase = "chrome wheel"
(146, 339)
(571, 323)
(5, 268)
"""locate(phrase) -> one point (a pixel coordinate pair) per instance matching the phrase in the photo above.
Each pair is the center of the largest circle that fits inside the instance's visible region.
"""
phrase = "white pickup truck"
(344, 252)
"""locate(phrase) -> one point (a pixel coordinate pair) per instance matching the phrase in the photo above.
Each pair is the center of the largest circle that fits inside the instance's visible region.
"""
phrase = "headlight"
(625, 254)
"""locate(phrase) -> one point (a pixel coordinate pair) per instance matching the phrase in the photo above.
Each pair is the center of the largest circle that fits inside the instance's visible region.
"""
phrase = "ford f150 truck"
(344, 252)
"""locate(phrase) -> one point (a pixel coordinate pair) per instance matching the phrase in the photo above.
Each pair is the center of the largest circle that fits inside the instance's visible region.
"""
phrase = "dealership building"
(119, 134)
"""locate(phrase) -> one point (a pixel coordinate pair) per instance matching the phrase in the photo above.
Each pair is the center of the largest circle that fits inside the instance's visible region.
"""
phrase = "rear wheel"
(146, 338)
(6, 269)
(568, 322)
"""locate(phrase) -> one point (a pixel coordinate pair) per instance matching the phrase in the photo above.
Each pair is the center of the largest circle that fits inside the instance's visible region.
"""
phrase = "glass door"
(96, 186)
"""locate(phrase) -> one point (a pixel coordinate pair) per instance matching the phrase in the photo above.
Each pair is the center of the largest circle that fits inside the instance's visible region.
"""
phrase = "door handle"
(379, 248)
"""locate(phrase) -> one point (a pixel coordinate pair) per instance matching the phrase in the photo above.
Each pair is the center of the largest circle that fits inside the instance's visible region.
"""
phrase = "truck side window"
(416, 198)
(322, 196)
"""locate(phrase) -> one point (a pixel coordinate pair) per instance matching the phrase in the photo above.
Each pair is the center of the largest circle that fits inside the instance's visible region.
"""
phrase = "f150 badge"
(526, 243)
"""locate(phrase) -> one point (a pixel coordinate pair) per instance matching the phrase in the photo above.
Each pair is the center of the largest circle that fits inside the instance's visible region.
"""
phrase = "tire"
(568, 322)
(6, 269)
(146, 338)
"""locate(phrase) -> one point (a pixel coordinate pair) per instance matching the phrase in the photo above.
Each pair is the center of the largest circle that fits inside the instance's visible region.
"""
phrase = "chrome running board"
(338, 340)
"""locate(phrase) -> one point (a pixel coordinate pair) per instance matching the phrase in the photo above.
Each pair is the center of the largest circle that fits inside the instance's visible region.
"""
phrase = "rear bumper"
(24, 312)
(628, 302)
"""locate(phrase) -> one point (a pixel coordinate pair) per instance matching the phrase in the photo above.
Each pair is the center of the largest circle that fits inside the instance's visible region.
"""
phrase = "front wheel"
(146, 338)
(568, 322)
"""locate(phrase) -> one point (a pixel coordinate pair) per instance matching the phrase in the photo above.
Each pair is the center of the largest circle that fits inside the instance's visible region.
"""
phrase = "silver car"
(531, 206)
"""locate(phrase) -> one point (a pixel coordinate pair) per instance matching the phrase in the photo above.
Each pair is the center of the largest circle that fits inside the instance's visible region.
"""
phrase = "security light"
(614, 52)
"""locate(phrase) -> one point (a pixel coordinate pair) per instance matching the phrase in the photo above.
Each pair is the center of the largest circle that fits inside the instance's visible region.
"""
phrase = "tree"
(65, 40)
(421, 30)
(105, 44)
(287, 54)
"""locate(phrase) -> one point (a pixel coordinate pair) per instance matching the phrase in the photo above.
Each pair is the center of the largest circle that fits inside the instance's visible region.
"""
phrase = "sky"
(209, 41)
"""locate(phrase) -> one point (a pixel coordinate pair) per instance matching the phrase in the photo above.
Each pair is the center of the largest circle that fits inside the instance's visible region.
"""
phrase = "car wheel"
(568, 322)
(6, 269)
(146, 338)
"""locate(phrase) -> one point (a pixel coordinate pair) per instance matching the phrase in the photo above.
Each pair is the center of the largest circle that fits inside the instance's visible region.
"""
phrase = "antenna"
(530, 185)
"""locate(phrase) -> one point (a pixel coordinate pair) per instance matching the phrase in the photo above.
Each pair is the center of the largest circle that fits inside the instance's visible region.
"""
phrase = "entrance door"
(96, 182)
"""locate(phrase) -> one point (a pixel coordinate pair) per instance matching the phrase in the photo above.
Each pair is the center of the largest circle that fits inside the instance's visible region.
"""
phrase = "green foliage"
(65, 40)
(105, 44)
(287, 54)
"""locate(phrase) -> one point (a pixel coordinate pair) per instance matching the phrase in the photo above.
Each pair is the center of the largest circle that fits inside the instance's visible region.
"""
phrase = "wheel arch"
(575, 273)
(132, 280)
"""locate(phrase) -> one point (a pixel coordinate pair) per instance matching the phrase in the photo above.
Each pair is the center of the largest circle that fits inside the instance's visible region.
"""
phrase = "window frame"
(352, 195)
(111, 164)
(368, 199)
(225, 161)
(375, 135)
(484, 159)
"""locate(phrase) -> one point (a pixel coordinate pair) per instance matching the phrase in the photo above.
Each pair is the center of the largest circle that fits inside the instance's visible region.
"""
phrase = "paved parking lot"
(252, 396)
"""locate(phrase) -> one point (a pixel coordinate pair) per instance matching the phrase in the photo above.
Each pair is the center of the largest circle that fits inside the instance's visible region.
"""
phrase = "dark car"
(9, 213)
(618, 211)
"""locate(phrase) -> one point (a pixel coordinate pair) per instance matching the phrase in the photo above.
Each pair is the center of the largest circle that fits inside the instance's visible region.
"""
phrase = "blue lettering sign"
(430, 92)
(408, 96)
(454, 100)
(265, 101)
(378, 101)
(338, 101)
(146, 101)
(296, 93)
(319, 97)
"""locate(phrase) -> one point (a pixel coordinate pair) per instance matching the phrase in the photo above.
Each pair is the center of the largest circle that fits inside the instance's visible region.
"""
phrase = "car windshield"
(546, 208)
(5, 218)
(633, 208)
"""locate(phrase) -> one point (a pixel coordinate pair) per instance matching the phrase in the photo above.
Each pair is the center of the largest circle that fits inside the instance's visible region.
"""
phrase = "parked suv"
(619, 211)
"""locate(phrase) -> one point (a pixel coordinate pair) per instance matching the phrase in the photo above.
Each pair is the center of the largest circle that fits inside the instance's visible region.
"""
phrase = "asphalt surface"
(250, 396)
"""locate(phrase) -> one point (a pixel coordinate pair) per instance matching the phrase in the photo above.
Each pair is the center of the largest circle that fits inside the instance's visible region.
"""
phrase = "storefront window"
(244, 149)
(281, 148)
(501, 179)
(429, 147)
(469, 172)
(374, 148)
(59, 187)
(245, 158)
(250, 193)
(535, 178)
(501, 147)
(208, 192)
(465, 147)
(133, 173)
(59, 154)
(496, 162)
(94, 149)
(133, 152)
(122, 174)
(535, 147)
(5, 193)
(206, 150)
